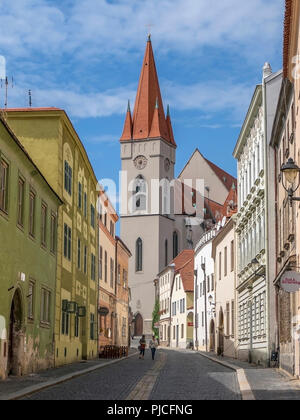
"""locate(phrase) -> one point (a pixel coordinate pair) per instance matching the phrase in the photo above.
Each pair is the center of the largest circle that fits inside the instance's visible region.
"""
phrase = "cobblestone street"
(174, 376)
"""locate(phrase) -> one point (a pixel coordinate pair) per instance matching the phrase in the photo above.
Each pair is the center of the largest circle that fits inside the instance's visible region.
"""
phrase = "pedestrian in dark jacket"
(153, 346)
(142, 347)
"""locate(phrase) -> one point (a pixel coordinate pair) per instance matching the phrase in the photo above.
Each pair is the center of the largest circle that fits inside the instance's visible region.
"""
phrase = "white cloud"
(90, 27)
(208, 98)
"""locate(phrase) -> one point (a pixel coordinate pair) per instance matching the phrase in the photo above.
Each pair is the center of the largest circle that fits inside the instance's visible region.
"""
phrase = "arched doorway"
(138, 325)
(221, 333)
(16, 336)
(212, 340)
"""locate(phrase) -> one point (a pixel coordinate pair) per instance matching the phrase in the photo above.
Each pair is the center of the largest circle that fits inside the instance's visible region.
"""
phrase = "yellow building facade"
(55, 147)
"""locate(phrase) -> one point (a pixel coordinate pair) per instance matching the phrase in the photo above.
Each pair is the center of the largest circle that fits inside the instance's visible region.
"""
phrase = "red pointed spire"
(127, 132)
(157, 129)
(170, 128)
(149, 101)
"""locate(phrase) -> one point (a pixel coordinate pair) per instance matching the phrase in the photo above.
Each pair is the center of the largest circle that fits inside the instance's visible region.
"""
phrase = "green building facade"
(28, 261)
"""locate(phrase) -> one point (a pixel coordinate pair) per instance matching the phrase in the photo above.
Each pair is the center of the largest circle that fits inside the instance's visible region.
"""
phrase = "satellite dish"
(218, 226)
(223, 221)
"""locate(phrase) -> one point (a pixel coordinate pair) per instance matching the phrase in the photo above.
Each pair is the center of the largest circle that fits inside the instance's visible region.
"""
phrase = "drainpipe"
(196, 309)
(172, 266)
(205, 305)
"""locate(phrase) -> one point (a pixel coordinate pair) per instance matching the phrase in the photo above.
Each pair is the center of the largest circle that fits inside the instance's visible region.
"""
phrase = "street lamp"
(290, 172)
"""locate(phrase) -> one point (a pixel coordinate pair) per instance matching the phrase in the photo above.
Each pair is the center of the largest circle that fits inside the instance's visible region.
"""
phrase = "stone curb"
(37, 388)
(245, 388)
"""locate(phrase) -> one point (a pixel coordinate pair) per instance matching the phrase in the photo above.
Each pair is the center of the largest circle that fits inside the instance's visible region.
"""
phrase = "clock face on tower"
(167, 165)
(140, 162)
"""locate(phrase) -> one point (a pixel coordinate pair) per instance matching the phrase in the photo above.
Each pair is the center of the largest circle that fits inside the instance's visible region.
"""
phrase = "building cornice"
(251, 115)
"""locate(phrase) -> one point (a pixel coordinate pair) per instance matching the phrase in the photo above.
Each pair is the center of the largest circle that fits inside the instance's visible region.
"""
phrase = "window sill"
(45, 325)
(32, 237)
(20, 227)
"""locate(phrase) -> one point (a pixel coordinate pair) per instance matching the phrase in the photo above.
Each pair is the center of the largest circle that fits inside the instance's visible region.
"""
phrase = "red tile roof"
(127, 132)
(183, 258)
(225, 177)
(287, 36)
(231, 203)
(187, 275)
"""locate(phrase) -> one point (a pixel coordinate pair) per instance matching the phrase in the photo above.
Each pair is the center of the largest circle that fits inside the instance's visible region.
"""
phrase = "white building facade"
(182, 307)
(165, 280)
(223, 252)
(256, 212)
(204, 297)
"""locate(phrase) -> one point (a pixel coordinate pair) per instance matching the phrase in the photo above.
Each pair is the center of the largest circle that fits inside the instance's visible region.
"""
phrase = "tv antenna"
(30, 98)
(6, 84)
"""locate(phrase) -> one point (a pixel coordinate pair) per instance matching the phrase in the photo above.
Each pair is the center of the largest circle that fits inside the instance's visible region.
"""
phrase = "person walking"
(153, 346)
(142, 347)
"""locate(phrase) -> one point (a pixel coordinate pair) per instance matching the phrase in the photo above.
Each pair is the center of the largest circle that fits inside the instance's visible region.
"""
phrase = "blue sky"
(86, 55)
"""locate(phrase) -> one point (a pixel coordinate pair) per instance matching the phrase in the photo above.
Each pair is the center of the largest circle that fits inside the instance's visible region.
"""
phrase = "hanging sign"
(290, 281)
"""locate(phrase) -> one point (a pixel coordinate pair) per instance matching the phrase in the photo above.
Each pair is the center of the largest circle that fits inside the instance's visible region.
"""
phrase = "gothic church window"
(175, 244)
(139, 255)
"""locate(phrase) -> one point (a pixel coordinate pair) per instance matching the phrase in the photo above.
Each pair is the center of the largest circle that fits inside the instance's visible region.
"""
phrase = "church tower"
(148, 153)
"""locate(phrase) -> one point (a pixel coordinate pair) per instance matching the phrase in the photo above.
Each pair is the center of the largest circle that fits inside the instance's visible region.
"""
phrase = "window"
(220, 265)
(93, 267)
(53, 233)
(79, 254)
(124, 327)
(119, 274)
(225, 261)
(30, 300)
(44, 225)
(85, 260)
(112, 229)
(232, 252)
(65, 321)
(124, 279)
(166, 253)
(232, 318)
(85, 205)
(45, 306)
(182, 330)
(228, 319)
(140, 194)
(175, 244)
(32, 199)
(101, 263)
(92, 216)
(139, 255)
(21, 189)
(68, 178)
(4, 186)
(212, 283)
(92, 327)
(76, 331)
(105, 267)
(79, 195)
(111, 273)
(67, 242)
